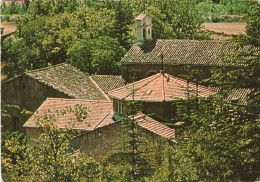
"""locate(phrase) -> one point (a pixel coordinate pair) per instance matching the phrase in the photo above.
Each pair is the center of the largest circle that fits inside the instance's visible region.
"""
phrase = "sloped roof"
(154, 126)
(158, 88)
(69, 80)
(240, 95)
(109, 82)
(178, 52)
(141, 17)
(100, 113)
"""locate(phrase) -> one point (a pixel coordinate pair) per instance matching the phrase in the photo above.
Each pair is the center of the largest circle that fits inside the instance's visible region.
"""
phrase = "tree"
(253, 27)
(13, 148)
(52, 39)
(123, 15)
(133, 154)
(221, 141)
(51, 157)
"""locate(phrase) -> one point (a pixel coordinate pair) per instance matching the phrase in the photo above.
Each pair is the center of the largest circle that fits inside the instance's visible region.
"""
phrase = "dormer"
(144, 28)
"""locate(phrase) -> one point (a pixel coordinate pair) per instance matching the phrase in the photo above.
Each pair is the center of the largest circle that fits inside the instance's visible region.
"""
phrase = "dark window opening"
(16, 123)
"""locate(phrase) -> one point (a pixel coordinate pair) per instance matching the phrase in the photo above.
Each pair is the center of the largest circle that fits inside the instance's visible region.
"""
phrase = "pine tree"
(133, 154)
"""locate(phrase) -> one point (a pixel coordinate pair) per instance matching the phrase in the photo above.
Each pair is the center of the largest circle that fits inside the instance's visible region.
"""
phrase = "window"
(148, 92)
(119, 107)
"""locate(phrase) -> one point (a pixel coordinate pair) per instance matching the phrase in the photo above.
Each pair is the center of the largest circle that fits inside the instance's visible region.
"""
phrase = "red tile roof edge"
(144, 116)
(95, 83)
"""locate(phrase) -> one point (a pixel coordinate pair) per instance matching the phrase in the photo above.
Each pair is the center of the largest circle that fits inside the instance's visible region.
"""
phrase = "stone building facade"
(148, 56)
(157, 95)
(29, 90)
(100, 130)
(174, 56)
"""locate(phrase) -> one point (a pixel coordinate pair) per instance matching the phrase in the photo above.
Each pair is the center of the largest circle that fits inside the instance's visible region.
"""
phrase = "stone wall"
(103, 140)
(161, 110)
(134, 72)
(32, 134)
(27, 93)
(100, 141)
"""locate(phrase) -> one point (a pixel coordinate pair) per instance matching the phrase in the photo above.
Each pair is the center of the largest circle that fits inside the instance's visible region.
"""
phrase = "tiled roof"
(177, 52)
(140, 17)
(100, 114)
(157, 88)
(69, 80)
(109, 82)
(154, 126)
(239, 95)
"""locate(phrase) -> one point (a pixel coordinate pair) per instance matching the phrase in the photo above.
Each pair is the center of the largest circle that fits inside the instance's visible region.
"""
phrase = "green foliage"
(86, 41)
(132, 156)
(6, 107)
(221, 143)
(17, 57)
(253, 27)
(50, 8)
(50, 157)
(13, 8)
(93, 38)
(224, 11)
(13, 148)
(220, 138)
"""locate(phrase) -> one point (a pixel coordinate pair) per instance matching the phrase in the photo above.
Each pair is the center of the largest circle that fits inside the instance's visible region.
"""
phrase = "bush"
(13, 8)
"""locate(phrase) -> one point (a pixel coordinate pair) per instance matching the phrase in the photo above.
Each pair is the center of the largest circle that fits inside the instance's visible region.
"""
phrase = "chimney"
(144, 28)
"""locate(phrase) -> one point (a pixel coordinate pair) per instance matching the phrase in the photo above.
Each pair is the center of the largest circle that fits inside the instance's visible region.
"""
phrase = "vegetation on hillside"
(92, 36)
(95, 35)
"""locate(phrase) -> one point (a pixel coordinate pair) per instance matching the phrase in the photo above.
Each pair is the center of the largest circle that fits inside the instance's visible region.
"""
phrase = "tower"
(144, 28)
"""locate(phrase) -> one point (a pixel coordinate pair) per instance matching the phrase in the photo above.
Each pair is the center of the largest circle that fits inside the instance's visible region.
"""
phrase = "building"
(99, 130)
(157, 94)
(29, 90)
(148, 57)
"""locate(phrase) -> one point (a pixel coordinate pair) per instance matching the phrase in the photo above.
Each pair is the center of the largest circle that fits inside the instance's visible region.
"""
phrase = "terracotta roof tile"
(100, 114)
(140, 17)
(157, 88)
(109, 82)
(154, 126)
(69, 80)
(176, 52)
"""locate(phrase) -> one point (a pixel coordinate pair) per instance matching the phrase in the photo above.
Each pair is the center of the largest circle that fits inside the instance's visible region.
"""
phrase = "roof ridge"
(71, 99)
(34, 70)
(95, 83)
(132, 83)
(181, 79)
(155, 76)
(163, 89)
(105, 75)
(48, 67)
(189, 40)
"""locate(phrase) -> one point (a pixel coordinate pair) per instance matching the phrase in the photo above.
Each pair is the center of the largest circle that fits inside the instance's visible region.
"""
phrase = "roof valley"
(95, 83)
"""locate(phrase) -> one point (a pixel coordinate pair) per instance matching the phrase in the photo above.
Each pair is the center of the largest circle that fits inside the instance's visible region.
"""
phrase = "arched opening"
(144, 30)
